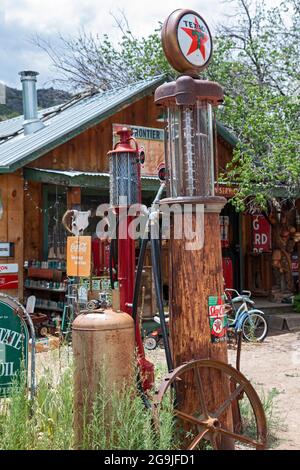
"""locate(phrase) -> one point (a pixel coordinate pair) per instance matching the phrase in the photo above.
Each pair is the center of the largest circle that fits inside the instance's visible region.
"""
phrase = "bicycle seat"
(157, 319)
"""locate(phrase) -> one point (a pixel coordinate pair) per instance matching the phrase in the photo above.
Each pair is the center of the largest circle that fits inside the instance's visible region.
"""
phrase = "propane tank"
(103, 341)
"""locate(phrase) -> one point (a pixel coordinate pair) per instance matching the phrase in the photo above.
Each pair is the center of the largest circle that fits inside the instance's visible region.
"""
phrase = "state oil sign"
(13, 345)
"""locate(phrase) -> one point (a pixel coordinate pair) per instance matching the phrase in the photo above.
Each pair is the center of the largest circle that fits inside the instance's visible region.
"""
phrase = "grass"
(118, 419)
(296, 303)
(45, 423)
(274, 424)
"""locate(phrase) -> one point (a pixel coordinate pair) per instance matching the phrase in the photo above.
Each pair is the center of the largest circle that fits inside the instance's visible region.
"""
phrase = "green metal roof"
(84, 179)
(65, 122)
(19, 150)
(226, 134)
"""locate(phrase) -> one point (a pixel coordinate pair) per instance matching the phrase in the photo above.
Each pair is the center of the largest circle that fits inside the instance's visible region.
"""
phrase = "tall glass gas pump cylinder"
(125, 190)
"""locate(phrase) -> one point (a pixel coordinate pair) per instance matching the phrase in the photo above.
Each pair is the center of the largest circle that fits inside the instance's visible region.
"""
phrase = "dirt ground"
(273, 364)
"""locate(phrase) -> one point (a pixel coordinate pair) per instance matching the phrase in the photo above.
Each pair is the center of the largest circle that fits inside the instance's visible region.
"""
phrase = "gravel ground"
(274, 364)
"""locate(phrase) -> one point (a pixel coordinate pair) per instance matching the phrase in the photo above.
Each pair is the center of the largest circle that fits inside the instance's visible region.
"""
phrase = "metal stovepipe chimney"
(30, 108)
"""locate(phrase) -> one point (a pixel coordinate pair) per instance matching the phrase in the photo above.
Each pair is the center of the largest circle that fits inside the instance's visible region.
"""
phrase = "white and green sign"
(13, 346)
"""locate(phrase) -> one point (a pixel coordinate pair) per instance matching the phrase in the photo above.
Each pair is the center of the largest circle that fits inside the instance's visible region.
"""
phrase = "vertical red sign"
(261, 234)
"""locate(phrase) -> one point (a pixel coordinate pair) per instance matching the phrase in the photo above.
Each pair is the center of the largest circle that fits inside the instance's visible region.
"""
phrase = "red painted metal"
(126, 265)
(9, 281)
(126, 256)
(227, 272)
(261, 234)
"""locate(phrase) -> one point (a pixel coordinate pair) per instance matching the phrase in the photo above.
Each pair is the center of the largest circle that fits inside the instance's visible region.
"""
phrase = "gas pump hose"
(137, 287)
(155, 257)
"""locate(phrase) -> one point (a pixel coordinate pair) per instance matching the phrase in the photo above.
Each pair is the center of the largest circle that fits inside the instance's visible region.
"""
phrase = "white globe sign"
(187, 41)
(194, 39)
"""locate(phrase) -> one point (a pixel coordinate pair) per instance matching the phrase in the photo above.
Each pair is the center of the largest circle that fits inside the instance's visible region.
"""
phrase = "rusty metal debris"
(202, 423)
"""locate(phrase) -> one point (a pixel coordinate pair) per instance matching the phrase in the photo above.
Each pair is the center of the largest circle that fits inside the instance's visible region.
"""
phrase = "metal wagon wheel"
(205, 421)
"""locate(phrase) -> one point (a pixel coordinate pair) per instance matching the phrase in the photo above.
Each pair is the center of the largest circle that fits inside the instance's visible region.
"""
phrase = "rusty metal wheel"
(204, 426)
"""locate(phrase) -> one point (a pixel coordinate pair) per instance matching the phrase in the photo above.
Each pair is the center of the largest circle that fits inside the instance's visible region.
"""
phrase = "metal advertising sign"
(13, 345)
(261, 229)
(217, 319)
(187, 41)
(10, 268)
(79, 256)
(6, 249)
(9, 281)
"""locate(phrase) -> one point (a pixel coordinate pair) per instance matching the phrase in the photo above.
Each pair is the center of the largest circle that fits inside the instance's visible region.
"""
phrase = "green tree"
(256, 60)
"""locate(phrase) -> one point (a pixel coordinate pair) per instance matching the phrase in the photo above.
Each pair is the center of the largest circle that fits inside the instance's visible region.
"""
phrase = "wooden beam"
(74, 198)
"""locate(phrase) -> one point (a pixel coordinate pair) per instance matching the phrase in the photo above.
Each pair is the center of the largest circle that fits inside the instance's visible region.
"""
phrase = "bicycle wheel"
(254, 327)
(150, 343)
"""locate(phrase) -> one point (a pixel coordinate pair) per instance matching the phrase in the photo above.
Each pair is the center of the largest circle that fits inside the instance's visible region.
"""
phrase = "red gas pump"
(125, 190)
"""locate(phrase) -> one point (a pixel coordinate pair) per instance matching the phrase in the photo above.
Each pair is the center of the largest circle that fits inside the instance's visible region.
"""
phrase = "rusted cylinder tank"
(103, 344)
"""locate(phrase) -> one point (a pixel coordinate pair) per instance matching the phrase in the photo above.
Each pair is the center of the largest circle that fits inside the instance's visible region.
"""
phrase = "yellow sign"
(79, 256)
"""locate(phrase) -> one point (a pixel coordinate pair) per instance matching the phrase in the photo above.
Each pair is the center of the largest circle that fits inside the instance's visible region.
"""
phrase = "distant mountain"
(47, 97)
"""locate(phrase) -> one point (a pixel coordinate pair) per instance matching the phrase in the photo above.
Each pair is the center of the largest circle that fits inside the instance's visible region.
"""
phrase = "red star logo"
(199, 38)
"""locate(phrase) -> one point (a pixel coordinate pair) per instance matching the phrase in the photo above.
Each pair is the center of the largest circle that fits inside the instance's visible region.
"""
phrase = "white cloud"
(21, 19)
(68, 15)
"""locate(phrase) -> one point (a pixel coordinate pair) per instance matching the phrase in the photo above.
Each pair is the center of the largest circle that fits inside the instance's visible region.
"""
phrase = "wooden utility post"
(298, 230)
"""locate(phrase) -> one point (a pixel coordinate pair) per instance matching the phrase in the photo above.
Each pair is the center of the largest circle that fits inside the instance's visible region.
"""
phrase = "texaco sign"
(187, 41)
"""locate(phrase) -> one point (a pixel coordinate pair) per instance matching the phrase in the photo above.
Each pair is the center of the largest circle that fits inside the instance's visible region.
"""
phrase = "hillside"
(46, 97)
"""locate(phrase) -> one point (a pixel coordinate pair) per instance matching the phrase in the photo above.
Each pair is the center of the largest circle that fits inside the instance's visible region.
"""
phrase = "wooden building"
(64, 165)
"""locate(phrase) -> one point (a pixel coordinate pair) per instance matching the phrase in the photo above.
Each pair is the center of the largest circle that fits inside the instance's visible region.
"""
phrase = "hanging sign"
(13, 346)
(226, 191)
(261, 235)
(187, 41)
(217, 319)
(79, 256)
(6, 249)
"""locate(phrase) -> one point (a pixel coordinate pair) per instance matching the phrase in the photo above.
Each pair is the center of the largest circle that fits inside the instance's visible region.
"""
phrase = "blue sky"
(21, 19)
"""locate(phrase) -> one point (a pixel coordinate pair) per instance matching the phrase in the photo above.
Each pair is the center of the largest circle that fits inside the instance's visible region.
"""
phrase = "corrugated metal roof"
(61, 127)
(14, 125)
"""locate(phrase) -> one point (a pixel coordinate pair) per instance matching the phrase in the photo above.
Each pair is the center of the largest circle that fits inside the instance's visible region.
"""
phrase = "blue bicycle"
(243, 317)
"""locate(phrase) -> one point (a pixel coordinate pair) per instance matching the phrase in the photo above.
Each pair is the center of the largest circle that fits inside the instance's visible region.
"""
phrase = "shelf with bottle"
(45, 285)
(58, 265)
(51, 305)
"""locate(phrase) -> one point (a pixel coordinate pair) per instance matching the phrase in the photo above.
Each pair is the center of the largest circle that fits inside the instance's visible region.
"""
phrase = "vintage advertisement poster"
(261, 235)
(217, 319)
(79, 256)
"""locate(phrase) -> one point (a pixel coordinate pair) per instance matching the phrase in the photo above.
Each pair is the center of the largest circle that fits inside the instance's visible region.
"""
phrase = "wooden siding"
(88, 151)
(12, 222)
(22, 219)
(33, 221)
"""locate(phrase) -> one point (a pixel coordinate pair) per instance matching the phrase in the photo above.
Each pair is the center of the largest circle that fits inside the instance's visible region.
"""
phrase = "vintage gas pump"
(125, 190)
(205, 394)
